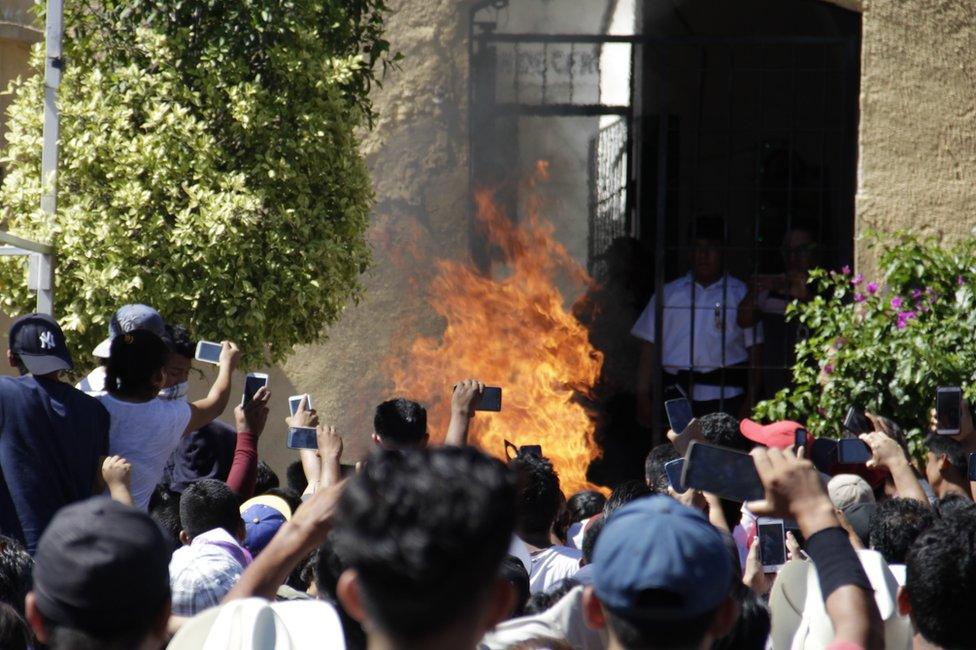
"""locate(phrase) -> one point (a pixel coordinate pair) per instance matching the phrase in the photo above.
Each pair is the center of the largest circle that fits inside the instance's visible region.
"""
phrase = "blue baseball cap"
(657, 559)
(128, 318)
(263, 515)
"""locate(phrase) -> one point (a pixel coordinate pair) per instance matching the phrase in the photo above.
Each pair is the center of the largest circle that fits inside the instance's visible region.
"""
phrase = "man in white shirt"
(703, 349)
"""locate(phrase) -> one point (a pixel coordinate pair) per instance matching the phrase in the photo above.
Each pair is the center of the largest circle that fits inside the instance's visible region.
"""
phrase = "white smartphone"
(295, 400)
(253, 382)
(772, 544)
(208, 352)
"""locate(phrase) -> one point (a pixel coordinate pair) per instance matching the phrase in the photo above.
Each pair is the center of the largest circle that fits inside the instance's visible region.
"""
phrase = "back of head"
(590, 537)
(723, 429)
(951, 449)
(295, 478)
(584, 504)
(624, 493)
(135, 364)
(539, 495)
(14, 633)
(166, 514)
(896, 523)
(401, 423)
(101, 576)
(752, 628)
(266, 478)
(514, 573)
(654, 472)
(16, 566)
(425, 532)
(209, 504)
(941, 581)
(180, 341)
(952, 504)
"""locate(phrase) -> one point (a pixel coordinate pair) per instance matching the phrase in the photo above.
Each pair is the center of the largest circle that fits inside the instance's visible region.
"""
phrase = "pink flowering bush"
(885, 343)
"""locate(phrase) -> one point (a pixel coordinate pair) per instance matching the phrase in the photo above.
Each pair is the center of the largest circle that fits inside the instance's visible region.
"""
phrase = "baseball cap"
(128, 318)
(101, 567)
(849, 489)
(39, 342)
(655, 545)
(777, 435)
(263, 515)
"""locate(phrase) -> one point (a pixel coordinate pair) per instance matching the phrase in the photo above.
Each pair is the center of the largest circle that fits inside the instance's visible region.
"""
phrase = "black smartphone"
(302, 438)
(726, 472)
(857, 422)
(948, 410)
(972, 467)
(851, 451)
(673, 470)
(253, 382)
(530, 450)
(491, 399)
(772, 543)
(823, 454)
(799, 440)
(679, 414)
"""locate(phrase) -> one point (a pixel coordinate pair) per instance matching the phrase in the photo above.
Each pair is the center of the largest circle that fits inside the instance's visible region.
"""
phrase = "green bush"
(885, 345)
(209, 166)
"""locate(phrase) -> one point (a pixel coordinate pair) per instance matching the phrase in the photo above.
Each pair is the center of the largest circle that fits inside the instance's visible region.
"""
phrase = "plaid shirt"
(201, 574)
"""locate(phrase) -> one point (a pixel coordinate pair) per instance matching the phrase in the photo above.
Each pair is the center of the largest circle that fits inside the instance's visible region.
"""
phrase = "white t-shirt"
(145, 434)
(93, 383)
(552, 565)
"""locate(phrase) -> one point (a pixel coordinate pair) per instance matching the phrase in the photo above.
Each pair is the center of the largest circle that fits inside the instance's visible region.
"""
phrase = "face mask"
(178, 391)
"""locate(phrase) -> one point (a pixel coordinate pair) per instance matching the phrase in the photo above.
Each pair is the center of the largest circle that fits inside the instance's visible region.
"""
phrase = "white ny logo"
(47, 340)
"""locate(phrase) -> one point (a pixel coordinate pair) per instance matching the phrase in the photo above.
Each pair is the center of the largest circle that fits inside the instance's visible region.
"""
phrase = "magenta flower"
(828, 369)
(916, 294)
(872, 288)
(846, 270)
(857, 279)
(896, 302)
(903, 318)
(859, 297)
(960, 281)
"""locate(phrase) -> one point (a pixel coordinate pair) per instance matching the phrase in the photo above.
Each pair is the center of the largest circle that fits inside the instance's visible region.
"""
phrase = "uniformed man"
(703, 348)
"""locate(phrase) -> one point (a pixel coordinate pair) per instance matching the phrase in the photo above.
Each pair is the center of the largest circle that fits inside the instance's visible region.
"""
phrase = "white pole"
(53, 62)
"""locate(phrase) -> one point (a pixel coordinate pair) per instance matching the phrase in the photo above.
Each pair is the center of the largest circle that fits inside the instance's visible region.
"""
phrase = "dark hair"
(654, 474)
(941, 581)
(166, 514)
(723, 429)
(135, 359)
(952, 450)
(326, 567)
(514, 573)
(895, 524)
(14, 632)
(543, 600)
(207, 504)
(295, 477)
(582, 505)
(953, 504)
(539, 495)
(659, 633)
(590, 536)
(16, 568)
(624, 493)
(180, 341)
(61, 637)
(400, 423)
(752, 628)
(426, 531)
(265, 479)
(294, 499)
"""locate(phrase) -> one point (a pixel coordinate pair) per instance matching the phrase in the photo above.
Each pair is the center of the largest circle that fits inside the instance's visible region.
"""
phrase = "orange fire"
(511, 328)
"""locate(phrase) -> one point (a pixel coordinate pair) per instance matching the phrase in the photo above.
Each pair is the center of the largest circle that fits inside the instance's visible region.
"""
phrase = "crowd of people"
(133, 518)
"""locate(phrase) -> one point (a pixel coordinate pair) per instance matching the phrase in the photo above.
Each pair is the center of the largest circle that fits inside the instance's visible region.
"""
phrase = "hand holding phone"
(295, 400)
(302, 438)
(799, 440)
(253, 382)
(726, 472)
(772, 543)
(208, 352)
(673, 470)
(857, 422)
(948, 411)
(491, 399)
(852, 451)
(679, 413)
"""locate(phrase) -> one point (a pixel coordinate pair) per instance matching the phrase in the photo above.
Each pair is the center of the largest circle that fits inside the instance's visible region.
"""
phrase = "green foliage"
(887, 345)
(209, 166)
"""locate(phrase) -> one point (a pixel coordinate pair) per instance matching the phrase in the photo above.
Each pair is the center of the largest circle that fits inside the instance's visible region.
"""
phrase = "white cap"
(849, 489)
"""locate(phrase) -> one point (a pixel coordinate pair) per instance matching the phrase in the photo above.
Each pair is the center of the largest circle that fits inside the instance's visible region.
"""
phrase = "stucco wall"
(918, 119)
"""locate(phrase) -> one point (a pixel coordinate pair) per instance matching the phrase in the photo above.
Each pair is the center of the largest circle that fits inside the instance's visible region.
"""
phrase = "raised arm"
(887, 453)
(210, 407)
(250, 419)
(117, 474)
(464, 401)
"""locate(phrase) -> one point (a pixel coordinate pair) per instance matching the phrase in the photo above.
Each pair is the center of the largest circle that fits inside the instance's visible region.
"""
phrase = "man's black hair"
(207, 504)
(265, 478)
(660, 633)
(14, 631)
(180, 341)
(400, 423)
(295, 477)
(953, 503)
(539, 495)
(624, 493)
(134, 360)
(514, 573)
(941, 582)
(426, 531)
(16, 567)
(723, 429)
(166, 514)
(61, 637)
(752, 628)
(944, 445)
(590, 536)
(895, 524)
(326, 567)
(543, 600)
(582, 505)
(654, 473)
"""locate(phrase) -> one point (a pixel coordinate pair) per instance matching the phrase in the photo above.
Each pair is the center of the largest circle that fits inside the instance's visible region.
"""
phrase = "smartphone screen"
(491, 399)
(726, 472)
(302, 438)
(948, 410)
(679, 414)
(772, 543)
(295, 400)
(208, 352)
(673, 470)
(851, 451)
(253, 382)
(823, 454)
(857, 422)
(799, 439)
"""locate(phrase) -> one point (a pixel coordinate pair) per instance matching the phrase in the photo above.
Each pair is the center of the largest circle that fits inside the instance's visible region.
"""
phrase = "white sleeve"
(644, 327)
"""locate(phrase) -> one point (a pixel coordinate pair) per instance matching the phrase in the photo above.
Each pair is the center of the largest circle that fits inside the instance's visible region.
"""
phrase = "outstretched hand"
(254, 415)
(793, 489)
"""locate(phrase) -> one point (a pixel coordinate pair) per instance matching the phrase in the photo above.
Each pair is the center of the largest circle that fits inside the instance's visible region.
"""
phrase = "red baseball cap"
(778, 435)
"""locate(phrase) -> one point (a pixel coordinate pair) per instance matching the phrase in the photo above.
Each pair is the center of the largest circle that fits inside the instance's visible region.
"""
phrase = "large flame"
(511, 328)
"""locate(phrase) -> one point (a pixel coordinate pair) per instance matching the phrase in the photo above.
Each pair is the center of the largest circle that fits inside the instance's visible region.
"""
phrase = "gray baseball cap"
(127, 319)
